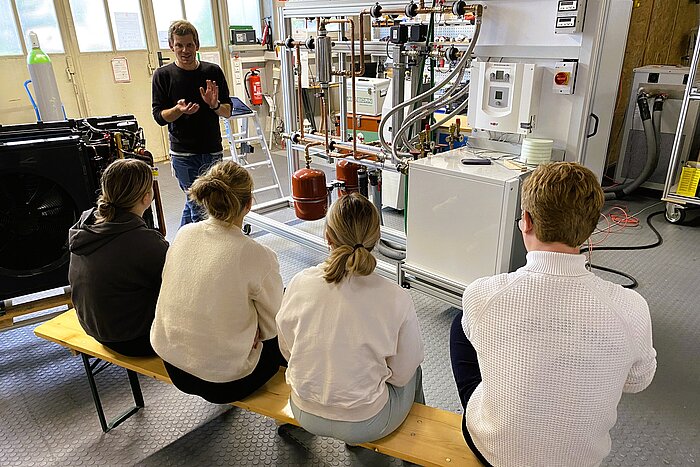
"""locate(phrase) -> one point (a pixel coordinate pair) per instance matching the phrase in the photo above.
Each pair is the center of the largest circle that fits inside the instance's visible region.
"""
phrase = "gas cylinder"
(346, 171)
(48, 100)
(309, 194)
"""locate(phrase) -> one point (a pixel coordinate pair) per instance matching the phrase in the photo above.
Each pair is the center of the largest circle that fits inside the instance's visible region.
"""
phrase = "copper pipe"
(350, 74)
(306, 152)
(300, 96)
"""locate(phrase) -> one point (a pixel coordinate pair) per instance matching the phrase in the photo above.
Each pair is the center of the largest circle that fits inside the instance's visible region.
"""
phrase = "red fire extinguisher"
(253, 87)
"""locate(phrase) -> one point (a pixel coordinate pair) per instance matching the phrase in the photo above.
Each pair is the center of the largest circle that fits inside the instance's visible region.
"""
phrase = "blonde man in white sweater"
(351, 337)
(215, 318)
(541, 356)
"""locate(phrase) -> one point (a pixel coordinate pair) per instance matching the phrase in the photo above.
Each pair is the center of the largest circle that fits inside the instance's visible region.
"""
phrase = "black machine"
(49, 175)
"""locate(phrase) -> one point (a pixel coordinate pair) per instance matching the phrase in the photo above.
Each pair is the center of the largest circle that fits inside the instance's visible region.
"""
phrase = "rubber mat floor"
(47, 416)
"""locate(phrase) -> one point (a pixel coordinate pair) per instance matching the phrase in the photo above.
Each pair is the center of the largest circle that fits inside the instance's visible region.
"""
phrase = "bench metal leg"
(93, 369)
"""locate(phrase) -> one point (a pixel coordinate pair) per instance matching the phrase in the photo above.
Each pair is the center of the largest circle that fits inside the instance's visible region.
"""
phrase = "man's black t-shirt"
(198, 133)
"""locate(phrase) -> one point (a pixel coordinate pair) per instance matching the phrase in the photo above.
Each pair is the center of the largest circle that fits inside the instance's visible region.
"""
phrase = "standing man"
(189, 96)
(541, 356)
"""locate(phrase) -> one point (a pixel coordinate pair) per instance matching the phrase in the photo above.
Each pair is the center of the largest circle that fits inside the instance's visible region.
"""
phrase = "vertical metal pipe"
(398, 84)
(287, 75)
(343, 91)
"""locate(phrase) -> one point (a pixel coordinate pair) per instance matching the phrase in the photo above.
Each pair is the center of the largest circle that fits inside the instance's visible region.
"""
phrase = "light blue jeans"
(386, 421)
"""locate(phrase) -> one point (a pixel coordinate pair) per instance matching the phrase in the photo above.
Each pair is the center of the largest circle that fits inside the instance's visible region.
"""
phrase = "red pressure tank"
(346, 171)
(309, 194)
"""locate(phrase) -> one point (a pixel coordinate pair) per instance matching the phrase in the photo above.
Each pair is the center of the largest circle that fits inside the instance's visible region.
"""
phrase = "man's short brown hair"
(564, 200)
(182, 28)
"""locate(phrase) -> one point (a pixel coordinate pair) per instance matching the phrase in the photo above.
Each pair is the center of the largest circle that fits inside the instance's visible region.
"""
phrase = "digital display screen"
(499, 74)
(499, 95)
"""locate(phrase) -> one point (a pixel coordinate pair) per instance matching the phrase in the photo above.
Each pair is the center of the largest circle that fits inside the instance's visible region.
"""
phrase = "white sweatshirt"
(557, 347)
(219, 288)
(345, 341)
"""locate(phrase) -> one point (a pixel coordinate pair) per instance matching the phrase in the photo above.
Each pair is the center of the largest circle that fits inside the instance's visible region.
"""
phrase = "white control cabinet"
(462, 219)
(504, 97)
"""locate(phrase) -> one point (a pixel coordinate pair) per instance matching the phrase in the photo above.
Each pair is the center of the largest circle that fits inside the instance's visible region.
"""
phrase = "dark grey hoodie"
(115, 274)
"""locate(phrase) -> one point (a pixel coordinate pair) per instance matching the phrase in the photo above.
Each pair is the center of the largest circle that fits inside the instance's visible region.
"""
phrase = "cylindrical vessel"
(346, 171)
(309, 194)
(46, 95)
(323, 59)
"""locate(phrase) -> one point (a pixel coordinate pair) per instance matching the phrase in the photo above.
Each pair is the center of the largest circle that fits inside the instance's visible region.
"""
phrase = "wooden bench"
(428, 436)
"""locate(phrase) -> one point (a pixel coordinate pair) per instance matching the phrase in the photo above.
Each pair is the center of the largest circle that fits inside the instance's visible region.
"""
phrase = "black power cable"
(659, 241)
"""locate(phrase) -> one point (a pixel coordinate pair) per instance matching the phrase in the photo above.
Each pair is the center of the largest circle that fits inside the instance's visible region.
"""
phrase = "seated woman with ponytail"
(351, 337)
(215, 318)
(116, 261)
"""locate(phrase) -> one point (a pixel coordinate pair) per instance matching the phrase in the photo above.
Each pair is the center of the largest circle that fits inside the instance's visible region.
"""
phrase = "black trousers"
(224, 393)
(465, 368)
(139, 347)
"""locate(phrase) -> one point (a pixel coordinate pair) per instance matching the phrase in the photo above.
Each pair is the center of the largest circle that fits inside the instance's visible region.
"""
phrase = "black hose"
(633, 282)
(653, 145)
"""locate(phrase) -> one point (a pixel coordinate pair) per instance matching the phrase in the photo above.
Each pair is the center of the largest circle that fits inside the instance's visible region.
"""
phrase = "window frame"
(184, 16)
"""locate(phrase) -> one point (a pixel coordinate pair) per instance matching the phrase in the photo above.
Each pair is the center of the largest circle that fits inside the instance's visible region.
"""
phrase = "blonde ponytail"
(352, 228)
(224, 191)
(124, 183)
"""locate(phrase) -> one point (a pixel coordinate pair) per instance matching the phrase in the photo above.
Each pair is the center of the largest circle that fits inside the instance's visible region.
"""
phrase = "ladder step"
(266, 188)
(245, 140)
(255, 164)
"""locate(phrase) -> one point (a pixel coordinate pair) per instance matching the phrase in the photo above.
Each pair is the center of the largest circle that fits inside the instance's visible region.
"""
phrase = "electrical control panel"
(504, 97)
(570, 16)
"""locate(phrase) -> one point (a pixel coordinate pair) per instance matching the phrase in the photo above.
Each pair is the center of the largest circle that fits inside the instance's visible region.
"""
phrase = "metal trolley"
(680, 188)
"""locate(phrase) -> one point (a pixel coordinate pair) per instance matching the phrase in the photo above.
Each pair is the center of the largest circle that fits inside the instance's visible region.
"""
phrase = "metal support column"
(288, 93)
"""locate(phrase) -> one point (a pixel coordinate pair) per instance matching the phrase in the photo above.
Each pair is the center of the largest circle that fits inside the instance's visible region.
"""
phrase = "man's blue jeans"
(187, 169)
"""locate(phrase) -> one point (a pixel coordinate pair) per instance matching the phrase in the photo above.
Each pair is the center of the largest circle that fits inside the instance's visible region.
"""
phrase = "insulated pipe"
(429, 108)
(652, 150)
(462, 63)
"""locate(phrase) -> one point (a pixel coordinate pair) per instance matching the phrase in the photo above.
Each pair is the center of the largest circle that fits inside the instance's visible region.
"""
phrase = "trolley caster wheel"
(247, 229)
(674, 214)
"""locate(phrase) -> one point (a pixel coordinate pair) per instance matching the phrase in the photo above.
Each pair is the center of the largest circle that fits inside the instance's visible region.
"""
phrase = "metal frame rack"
(598, 49)
(685, 144)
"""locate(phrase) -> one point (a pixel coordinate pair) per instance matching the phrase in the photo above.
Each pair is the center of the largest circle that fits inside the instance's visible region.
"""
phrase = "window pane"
(198, 12)
(9, 37)
(127, 24)
(165, 11)
(91, 25)
(245, 13)
(40, 16)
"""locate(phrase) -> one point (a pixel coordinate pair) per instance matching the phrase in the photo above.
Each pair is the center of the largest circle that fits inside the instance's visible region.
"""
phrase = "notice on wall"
(128, 26)
(212, 57)
(120, 70)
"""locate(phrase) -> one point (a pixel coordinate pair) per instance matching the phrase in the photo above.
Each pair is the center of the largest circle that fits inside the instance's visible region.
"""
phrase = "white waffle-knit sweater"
(557, 346)
(219, 288)
(345, 341)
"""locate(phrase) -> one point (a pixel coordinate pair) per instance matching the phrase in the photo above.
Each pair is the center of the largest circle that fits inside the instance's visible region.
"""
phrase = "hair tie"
(359, 245)
(107, 204)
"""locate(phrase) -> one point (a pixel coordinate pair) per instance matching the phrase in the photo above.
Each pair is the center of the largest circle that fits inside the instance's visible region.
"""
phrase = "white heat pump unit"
(504, 97)
(462, 219)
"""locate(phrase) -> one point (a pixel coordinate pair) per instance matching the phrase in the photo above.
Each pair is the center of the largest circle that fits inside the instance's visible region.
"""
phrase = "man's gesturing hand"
(187, 108)
(211, 94)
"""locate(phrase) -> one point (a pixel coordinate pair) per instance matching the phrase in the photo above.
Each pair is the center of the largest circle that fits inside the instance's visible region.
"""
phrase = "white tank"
(46, 95)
